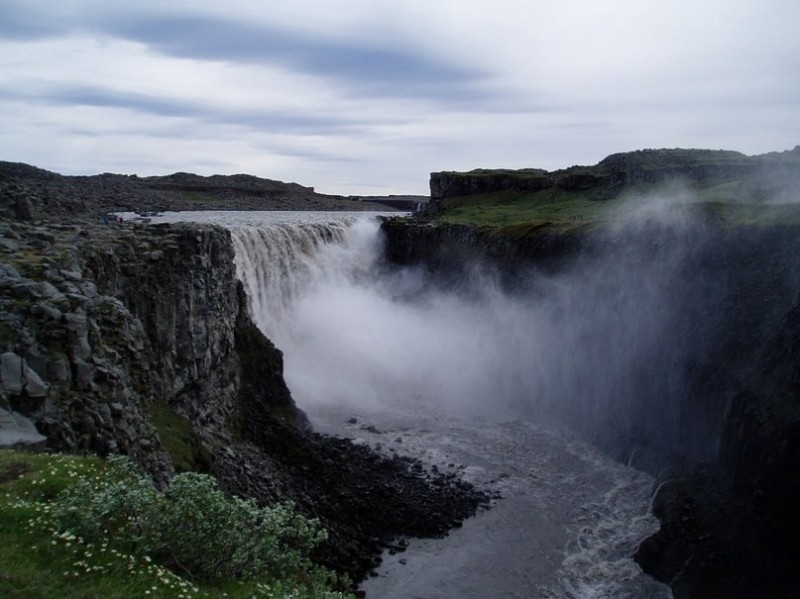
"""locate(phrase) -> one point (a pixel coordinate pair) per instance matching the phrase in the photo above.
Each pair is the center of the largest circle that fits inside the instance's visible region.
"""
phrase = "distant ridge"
(26, 189)
(616, 171)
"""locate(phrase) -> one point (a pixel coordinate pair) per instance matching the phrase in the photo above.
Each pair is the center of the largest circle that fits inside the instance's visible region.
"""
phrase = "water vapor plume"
(611, 345)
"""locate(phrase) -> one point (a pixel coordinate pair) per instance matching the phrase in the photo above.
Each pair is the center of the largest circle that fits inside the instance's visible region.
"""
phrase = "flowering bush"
(193, 527)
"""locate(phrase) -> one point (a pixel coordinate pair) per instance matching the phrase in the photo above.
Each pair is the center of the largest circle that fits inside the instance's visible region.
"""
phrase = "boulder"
(16, 431)
(18, 376)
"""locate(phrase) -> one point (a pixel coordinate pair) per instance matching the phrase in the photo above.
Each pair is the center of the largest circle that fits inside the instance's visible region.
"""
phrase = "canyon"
(679, 343)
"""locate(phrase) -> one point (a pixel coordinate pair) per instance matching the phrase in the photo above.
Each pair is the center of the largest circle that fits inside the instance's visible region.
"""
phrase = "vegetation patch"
(77, 527)
(551, 209)
(563, 211)
(179, 439)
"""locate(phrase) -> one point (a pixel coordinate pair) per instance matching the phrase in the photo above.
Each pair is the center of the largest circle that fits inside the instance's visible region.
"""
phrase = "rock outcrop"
(27, 192)
(618, 172)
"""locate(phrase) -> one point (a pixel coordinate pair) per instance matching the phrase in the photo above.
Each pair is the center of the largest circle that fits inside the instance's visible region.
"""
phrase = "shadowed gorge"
(686, 285)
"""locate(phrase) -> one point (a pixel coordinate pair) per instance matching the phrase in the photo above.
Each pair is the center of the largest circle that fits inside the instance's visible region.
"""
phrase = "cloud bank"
(360, 96)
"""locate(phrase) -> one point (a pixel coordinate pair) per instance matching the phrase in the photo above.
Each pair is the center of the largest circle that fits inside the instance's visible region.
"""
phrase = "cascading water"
(276, 264)
(464, 382)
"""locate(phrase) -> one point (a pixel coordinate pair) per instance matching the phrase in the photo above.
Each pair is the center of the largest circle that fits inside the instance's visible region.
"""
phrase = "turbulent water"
(469, 381)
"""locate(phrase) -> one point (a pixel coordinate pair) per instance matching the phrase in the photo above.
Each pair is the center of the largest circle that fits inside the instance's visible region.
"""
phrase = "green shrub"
(40, 560)
(193, 527)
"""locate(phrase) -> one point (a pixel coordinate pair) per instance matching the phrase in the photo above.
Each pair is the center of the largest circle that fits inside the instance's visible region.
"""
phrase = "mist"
(606, 346)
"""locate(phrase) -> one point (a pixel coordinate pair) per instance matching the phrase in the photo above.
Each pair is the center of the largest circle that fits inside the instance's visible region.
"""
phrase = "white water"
(456, 380)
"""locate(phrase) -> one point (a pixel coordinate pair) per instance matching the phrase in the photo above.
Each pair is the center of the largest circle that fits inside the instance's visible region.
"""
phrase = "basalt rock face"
(180, 284)
(731, 529)
(730, 431)
(449, 251)
(118, 320)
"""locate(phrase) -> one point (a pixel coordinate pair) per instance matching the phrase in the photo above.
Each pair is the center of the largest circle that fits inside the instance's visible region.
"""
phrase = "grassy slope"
(549, 208)
(38, 563)
(564, 211)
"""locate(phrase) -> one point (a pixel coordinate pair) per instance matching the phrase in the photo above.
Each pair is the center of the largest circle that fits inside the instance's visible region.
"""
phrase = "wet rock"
(76, 325)
(8, 272)
(26, 290)
(72, 275)
(46, 311)
(43, 235)
(48, 290)
(84, 374)
(9, 244)
(88, 289)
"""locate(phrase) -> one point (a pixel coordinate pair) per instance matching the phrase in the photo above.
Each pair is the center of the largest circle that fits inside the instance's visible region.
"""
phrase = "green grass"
(40, 563)
(550, 208)
(179, 439)
(730, 203)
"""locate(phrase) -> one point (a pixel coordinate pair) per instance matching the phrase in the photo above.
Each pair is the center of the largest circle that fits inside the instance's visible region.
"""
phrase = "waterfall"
(320, 291)
(463, 378)
(603, 346)
(275, 263)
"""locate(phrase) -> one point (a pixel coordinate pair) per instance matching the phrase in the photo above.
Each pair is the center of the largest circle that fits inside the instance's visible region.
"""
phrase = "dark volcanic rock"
(364, 499)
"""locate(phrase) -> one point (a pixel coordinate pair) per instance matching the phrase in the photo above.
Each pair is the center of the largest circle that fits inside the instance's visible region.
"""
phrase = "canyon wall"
(723, 430)
(133, 329)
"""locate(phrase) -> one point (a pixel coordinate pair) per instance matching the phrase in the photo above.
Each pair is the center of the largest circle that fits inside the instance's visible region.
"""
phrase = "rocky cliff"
(618, 172)
(131, 329)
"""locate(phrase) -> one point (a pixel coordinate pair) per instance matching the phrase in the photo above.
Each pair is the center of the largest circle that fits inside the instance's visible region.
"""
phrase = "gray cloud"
(381, 71)
(388, 70)
(268, 121)
(397, 88)
(19, 22)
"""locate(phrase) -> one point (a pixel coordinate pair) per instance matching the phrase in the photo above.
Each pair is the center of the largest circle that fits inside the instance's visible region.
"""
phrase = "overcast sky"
(370, 96)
